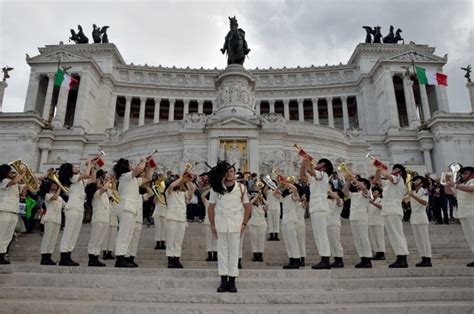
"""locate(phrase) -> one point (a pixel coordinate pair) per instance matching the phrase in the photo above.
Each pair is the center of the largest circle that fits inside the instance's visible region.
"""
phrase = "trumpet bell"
(260, 185)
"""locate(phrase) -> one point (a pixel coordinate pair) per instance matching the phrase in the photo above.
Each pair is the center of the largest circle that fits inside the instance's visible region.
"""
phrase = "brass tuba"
(451, 173)
(158, 189)
(53, 177)
(409, 181)
(30, 180)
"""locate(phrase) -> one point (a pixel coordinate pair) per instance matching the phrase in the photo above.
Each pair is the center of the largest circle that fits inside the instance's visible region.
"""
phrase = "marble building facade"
(342, 112)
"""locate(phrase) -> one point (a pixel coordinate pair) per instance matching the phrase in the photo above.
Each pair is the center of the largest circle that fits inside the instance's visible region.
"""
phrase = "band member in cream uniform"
(159, 218)
(211, 240)
(419, 220)
(258, 227)
(318, 180)
(336, 204)
(9, 206)
(178, 194)
(359, 219)
(273, 215)
(301, 206)
(393, 192)
(51, 220)
(229, 211)
(464, 192)
(69, 175)
(111, 234)
(376, 225)
(129, 206)
(289, 199)
(98, 200)
(137, 231)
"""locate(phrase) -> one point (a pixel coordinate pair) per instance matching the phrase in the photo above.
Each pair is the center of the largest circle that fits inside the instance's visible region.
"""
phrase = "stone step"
(105, 307)
(262, 296)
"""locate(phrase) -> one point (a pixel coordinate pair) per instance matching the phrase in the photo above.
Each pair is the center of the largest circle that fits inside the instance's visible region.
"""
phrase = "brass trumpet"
(346, 172)
(377, 163)
(54, 178)
(303, 153)
(30, 180)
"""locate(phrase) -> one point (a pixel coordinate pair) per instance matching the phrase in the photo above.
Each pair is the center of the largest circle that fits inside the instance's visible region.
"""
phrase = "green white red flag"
(431, 78)
(64, 80)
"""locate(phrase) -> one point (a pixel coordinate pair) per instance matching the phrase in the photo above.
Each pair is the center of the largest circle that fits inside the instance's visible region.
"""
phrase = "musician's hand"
(411, 193)
(88, 161)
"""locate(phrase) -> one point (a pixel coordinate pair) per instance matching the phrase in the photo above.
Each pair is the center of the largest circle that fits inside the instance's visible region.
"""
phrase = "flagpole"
(418, 81)
(51, 110)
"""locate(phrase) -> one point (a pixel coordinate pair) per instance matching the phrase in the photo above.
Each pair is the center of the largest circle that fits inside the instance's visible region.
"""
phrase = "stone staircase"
(448, 287)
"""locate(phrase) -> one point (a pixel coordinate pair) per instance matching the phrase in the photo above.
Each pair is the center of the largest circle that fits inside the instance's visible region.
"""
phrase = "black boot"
(122, 262)
(209, 257)
(171, 263)
(323, 264)
(276, 237)
(214, 256)
(104, 255)
(271, 238)
(231, 286)
(178, 263)
(66, 260)
(131, 260)
(224, 283)
(425, 262)
(93, 261)
(471, 264)
(302, 262)
(293, 264)
(260, 257)
(365, 262)
(338, 263)
(239, 265)
(163, 245)
(46, 260)
(401, 262)
(255, 257)
(157, 245)
(379, 256)
(3, 260)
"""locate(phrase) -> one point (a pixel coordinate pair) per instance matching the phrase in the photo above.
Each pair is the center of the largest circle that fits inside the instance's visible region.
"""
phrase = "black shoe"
(271, 238)
(178, 263)
(94, 261)
(214, 256)
(255, 257)
(108, 255)
(66, 260)
(122, 262)
(224, 283)
(425, 262)
(293, 264)
(46, 260)
(401, 262)
(209, 257)
(239, 265)
(104, 255)
(302, 264)
(171, 263)
(379, 256)
(163, 245)
(3, 260)
(131, 260)
(338, 263)
(157, 245)
(471, 264)
(260, 257)
(323, 264)
(276, 237)
(231, 285)
(365, 262)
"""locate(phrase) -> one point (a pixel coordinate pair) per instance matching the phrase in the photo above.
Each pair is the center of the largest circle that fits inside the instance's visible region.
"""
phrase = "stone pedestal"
(4, 85)
(470, 88)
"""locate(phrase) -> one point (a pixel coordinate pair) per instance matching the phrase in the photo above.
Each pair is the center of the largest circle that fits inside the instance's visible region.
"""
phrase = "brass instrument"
(451, 173)
(409, 181)
(98, 158)
(304, 154)
(158, 189)
(114, 194)
(377, 163)
(53, 177)
(260, 185)
(291, 179)
(268, 180)
(346, 172)
(151, 161)
(29, 179)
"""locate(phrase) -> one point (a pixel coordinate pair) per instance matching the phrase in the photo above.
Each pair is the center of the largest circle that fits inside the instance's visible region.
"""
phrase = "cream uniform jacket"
(289, 210)
(76, 195)
(359, 207)
(258, 217)
(392, 196)
(375, 214)
(229, 209)
(418, 211)
(129, 193)
(100, 208)
(176, 205)
(9, 197)
(334, 217)
(53, 209)
(273, 203)
(465, 202)
(319, 190)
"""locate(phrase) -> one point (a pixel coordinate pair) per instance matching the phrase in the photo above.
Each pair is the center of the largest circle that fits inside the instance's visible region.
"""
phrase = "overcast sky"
(280, 33)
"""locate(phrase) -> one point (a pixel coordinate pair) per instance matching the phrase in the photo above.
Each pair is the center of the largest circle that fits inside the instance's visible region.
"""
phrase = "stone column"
(3, 85)
(470, 88)
(300, 110)
(442, 98)
(360, 109)
(141, 114)
(257, 106)
(315, 111)
(330, 112)
(272, 106)
(156, 115)
(43, 158)
(49, 97)
(61, 105)
(171, 110)
(186, 107)
(214, 103)
(426, 145)
(345, 113)
(410, 103)
(424, 103)
(32, 93)
(126, 116)
(112, 110)
(252, 155)
(428, 162)
(391, 101)
(200, 106)
(286, 109)
(82, 100)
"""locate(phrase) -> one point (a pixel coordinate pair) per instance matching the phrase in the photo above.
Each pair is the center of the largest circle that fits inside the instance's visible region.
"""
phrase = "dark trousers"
(451, 203)
(440, 210)
(191, 211)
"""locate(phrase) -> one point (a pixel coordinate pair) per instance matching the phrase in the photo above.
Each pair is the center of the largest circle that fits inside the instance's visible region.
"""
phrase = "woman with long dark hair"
(71, 177)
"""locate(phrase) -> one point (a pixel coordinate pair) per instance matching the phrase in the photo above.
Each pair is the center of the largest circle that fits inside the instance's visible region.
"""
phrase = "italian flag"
(431, 78)
(64, 80)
